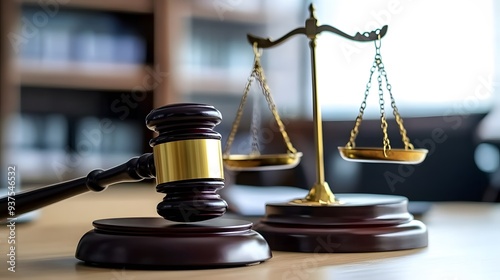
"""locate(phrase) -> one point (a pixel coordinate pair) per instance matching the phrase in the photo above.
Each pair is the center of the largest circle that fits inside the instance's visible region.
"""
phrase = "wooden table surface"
(464, 243)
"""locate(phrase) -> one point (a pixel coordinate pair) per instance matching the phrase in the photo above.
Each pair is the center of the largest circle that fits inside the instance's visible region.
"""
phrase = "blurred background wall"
(78, 78)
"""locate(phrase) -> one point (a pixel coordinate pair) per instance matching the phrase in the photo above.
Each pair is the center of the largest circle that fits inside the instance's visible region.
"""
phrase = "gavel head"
(188, 161)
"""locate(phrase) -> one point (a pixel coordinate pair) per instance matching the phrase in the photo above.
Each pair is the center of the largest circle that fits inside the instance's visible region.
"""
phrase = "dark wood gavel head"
(188, 161)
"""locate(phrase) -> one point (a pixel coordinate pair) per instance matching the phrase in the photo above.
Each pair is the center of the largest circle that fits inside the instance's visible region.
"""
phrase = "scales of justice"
(347, 222)
(187, 163)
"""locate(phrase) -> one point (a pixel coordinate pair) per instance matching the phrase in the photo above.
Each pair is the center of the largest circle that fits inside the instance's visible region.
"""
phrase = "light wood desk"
(464, 243)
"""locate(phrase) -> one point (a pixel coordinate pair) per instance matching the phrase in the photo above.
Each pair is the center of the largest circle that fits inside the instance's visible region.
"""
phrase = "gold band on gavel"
(188, 159)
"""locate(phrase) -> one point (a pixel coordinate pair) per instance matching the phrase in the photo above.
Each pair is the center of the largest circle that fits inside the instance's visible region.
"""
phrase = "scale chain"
(239, 114)
(258, 74)
(354, 132)
(383, 120)
(255, 125)
(397, 116)
(382, 75)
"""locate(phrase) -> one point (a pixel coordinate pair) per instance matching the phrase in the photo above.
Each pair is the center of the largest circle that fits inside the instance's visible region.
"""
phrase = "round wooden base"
(361, 223)
(158, 243)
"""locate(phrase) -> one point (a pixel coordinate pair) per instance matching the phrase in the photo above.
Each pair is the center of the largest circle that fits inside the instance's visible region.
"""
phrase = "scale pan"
(376, 155)
(261, 162)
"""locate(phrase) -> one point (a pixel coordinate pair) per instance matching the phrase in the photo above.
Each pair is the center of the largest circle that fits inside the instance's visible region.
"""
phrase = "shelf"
(215, 81)
(101, 76)
(135, 6)
(240, 11)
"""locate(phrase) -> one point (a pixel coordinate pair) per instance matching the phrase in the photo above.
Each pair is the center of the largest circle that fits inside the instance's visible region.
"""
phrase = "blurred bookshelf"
(215, 58)
(85, 73)
(84, 84)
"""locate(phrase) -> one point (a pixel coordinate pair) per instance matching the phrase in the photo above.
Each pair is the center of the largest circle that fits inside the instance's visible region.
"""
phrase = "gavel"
(186, 162)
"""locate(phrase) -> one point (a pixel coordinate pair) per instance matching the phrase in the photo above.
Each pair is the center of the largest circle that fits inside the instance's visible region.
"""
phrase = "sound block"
(361, 223)
(158, 243)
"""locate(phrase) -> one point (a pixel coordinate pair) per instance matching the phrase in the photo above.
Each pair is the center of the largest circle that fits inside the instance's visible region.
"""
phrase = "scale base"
(360, 223)
(153, 243)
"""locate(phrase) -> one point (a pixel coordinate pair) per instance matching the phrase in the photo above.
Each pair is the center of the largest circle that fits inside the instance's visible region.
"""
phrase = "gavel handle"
(135, 169)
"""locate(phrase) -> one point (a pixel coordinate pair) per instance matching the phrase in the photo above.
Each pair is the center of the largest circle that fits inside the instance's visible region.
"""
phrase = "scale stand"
(323, 222)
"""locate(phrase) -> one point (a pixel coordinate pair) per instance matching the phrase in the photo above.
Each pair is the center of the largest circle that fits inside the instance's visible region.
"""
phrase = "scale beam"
(311, 30)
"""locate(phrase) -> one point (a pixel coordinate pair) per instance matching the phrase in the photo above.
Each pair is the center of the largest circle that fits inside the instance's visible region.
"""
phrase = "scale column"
(320, 193)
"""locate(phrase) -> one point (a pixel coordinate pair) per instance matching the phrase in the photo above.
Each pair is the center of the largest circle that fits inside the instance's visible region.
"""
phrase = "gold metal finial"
(311, 11)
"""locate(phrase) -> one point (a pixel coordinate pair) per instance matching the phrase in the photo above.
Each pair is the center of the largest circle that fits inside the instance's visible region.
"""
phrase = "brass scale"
(320, 193)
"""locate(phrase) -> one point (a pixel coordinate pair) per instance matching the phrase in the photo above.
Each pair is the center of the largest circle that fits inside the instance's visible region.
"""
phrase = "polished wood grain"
(464, 243)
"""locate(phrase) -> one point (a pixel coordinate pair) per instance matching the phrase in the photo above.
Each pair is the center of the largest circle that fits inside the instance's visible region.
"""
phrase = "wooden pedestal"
(158, 243)
(362, 223)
